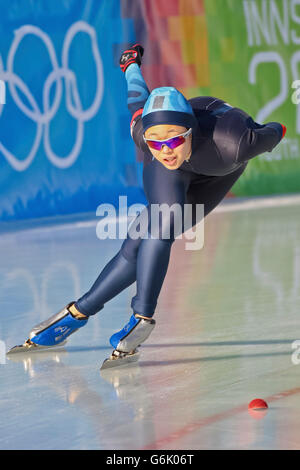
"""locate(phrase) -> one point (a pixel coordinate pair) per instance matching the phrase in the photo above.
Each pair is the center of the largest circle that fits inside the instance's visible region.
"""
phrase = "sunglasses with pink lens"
(172, 143)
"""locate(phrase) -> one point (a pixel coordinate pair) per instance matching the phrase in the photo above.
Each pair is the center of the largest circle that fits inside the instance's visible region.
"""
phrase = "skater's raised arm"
(138, 91)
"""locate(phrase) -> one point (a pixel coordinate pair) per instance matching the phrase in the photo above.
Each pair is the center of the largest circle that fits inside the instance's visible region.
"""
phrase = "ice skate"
(51, 333)
(118, 358)
(29, 346)
(126, 341)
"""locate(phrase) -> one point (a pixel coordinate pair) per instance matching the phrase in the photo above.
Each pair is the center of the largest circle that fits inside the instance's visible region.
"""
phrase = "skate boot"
(52, 332)
(126, 341)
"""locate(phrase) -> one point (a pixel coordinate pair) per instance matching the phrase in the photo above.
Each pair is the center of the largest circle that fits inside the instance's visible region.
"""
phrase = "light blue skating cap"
(166, 105)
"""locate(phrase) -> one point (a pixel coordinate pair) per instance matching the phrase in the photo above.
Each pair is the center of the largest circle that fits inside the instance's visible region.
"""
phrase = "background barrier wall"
(65, 145)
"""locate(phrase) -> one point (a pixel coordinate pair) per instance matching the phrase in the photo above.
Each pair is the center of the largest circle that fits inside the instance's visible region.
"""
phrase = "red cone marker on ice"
(257, 404)
(257, 408)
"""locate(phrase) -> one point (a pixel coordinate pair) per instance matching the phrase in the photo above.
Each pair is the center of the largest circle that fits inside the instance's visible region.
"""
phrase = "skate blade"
(120, 361)
(29, 348)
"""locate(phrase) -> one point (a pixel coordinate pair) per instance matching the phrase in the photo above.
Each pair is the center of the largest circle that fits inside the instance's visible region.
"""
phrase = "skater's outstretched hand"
(133, 55)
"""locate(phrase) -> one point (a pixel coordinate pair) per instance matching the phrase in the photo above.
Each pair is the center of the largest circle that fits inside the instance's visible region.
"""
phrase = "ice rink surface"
(227, 320)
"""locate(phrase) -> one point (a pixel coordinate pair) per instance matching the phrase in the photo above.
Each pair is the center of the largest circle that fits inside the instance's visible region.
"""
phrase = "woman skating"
(194, 151)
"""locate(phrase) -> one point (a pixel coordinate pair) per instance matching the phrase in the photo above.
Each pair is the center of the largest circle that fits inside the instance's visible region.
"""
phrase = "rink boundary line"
(192, 427)
(227, 205)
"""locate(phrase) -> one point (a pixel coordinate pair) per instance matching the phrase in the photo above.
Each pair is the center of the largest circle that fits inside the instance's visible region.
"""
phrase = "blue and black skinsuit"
(224, 139)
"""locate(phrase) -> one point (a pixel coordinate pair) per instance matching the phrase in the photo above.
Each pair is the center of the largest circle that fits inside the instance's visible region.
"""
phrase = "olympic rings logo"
(43, 117)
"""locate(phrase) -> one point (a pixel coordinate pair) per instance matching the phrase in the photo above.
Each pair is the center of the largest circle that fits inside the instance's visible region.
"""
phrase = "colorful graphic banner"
(254, 61)
(242, 51)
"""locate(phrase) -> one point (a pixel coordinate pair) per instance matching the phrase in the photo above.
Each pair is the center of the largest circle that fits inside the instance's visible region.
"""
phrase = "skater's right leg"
(57, 328)
(118, 274)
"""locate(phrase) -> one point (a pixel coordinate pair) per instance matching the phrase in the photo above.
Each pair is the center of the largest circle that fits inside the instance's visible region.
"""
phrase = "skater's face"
(171, 158)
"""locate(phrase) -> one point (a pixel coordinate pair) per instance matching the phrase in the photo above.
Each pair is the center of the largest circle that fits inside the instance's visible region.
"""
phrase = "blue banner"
(65, 144)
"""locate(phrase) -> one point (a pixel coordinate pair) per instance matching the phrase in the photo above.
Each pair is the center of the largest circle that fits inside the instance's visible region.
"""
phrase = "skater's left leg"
(166, 194)
(161, 187)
